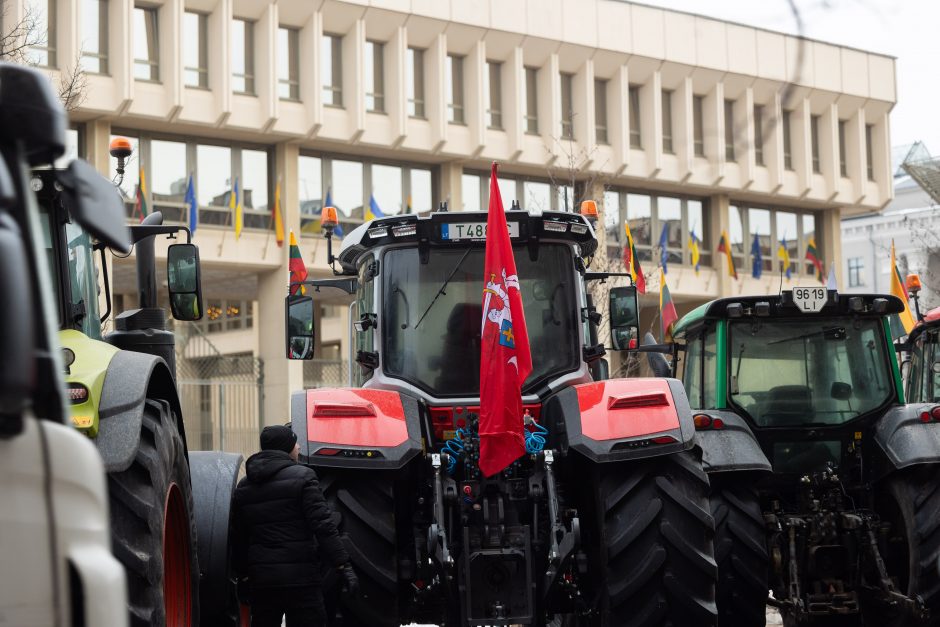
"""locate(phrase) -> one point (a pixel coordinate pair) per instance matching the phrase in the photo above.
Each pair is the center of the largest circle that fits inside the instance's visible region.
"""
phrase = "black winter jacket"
(283, 526)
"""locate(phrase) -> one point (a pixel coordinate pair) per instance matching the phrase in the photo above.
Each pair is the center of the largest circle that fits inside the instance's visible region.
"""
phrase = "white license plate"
(811, 299)
(471, 230)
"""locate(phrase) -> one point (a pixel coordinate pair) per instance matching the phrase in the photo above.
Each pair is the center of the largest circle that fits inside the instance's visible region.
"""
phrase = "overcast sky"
(908, 30)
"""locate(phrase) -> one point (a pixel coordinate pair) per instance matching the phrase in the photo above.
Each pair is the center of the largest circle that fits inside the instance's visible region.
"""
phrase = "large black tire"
(139, 499)
(910, 500)
(364, 507)
(741, 553)
(656, 543)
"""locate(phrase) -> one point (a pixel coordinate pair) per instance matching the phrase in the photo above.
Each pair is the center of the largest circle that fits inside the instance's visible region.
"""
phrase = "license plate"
(811, 299)
(471, 230)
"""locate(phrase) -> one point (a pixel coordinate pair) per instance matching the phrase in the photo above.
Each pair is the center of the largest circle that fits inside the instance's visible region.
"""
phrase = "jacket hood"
(264, 465)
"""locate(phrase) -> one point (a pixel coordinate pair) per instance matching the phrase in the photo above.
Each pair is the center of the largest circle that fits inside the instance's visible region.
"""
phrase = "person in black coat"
(284, 533)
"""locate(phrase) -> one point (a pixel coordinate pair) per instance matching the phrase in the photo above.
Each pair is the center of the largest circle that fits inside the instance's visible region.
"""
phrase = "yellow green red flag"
(897, 289)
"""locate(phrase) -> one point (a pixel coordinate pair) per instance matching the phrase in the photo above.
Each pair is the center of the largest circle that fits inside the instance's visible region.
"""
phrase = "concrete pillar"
(829, 235)
(281, 376)
(98, 145)
(450, 186)
(718, 222)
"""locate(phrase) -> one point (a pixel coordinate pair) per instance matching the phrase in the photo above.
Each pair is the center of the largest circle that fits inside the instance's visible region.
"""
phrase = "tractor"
(604, 520)
(121, 394)
(922, 348)
(56, 565)
(823, 480)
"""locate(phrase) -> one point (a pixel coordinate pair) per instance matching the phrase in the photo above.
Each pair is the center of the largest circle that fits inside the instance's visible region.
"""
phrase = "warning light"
(912, 283)
(328, 219)
(121, 148)
(589, 209)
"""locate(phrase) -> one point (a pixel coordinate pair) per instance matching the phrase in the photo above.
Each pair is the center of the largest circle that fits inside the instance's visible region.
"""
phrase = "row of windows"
(764, 229)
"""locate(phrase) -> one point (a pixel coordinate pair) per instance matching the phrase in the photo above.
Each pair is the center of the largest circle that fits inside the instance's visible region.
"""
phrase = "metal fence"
(321, 373)
(221, 395)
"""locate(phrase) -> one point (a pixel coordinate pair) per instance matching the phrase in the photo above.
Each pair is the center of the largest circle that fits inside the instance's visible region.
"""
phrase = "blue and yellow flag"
(694, 241)
(235, 203)
(373, 211)
(784, 256)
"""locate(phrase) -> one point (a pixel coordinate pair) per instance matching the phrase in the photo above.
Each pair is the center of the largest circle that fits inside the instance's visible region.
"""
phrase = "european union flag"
(758, 268)
(191, 205)
(663, 242)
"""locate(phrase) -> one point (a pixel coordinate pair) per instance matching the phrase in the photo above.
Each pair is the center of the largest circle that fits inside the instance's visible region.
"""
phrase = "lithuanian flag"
(724, 246)
(813, 256)
(667, 310)
(897, 289)
(298, 269)
(632, 262)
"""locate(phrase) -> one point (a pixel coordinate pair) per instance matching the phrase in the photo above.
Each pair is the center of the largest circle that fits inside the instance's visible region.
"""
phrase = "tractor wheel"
(152, 526)
(741, 553)
(656, 543)
(364, 506)
(910, 501)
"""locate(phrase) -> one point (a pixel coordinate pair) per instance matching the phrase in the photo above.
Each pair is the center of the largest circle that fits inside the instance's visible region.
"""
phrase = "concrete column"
(98, 146)
(475, 81)
(311, 84)
(618, 117)
(281, 376)
(651, 121)
(829, 235)
(450, 185)
(718, 222)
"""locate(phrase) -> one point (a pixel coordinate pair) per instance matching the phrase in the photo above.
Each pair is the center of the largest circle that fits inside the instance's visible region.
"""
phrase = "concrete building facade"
(676, 123)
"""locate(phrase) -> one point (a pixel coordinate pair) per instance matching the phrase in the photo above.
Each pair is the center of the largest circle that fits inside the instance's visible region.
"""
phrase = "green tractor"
(823, 480)
(923, 373)
(123, 396)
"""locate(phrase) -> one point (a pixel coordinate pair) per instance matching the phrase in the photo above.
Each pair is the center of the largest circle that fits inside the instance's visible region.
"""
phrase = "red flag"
(505, 360)
(667, 310)
(298, 269)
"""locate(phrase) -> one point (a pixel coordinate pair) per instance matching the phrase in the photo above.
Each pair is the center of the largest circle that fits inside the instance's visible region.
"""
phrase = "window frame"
(843, 167)
(152, 63)
(566, 94)
(455, 99)
(814, 143)
(856, 271)
(531, 116)
(249, 60)
(771, 264)
(729, 130)
(494, 101)
(202, 71)
(48, 47)
(698, 125)
(103, 48)
(759, 135)
(292, 82)
(787, 140)
(333, 91)
(666, 108)
(869, 152)
(378, 77)
(636, 133)
(601, 135)
(414, 71)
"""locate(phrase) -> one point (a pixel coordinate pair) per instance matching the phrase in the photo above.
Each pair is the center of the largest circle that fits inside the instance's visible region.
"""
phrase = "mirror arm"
(347, 285)
(603, 276)
(142, 231)
(107, 284)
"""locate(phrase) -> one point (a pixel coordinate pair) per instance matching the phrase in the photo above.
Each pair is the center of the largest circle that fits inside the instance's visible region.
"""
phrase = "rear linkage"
(493, 524)
(833, 526)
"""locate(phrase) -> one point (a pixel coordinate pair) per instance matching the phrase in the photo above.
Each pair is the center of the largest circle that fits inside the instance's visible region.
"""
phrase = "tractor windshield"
(790, 373)
(432, 331)
(924, 382)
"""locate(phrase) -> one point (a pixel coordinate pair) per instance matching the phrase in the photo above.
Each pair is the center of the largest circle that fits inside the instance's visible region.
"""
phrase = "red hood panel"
(626, 408)
(355, 417)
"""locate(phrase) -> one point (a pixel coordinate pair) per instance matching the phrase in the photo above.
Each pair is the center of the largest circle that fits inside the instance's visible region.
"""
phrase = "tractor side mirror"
(841, 391)
(624, 318)
(300, 333)
(184, 281)
(18, 366)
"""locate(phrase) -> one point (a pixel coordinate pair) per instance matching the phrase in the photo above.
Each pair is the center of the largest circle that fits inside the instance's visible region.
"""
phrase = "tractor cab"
(805, 371)
(923, 376)
(420, 295)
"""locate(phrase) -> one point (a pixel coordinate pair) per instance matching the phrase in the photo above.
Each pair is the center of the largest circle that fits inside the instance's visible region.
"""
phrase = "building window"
(331, 69)
(787, 142)
(667, 122)
(531, 118)
(809, 236)
(196, 49)
(95, 36)
(856, 269)
(375, 76)
(600, 111)
(567, 108)
(786, 235)
(771, 228)
(146, 49)
(494, 101)
(843, 169)
(814, 141)
(869, 165)
(243, 56)
(636, 139)
(42, 52)
(453, 81)
(698, 125)
(759, 134)
(414, 81)
(729, 130)
(288, 65)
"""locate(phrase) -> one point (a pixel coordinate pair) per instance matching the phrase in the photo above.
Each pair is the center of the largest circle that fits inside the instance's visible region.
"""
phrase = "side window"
(916, 374)
(364, 303)
(692, 372)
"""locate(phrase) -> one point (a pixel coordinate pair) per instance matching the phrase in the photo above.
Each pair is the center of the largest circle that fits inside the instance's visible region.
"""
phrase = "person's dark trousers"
(296, 616)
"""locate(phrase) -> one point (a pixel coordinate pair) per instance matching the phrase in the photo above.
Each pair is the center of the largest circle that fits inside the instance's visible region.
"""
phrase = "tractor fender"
(731, 448)
(907, 440)
(621, 419)
(356, 427)
(214, 475)
(131, 379)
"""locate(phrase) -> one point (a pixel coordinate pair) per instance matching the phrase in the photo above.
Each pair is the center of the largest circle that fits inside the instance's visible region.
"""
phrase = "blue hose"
(454, 449)
(535, 440)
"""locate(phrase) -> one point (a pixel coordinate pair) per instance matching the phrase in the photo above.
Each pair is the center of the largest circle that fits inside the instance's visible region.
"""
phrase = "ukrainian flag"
(373, 211)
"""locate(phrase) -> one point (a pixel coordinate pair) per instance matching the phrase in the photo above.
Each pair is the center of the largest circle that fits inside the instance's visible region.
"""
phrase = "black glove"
(349, 580)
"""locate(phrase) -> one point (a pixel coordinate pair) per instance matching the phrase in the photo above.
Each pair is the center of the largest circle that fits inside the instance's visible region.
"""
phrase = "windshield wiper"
(834, 333)
(443, 287)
